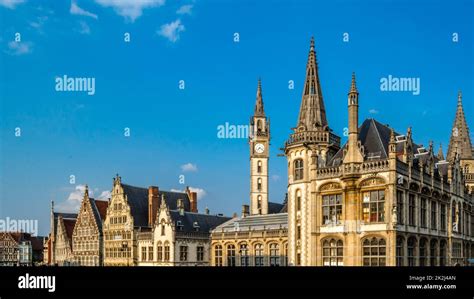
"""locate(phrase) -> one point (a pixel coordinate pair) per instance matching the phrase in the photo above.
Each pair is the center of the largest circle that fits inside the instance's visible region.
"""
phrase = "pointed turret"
(460, 140)
(440, 153)
(259, 111)
(353, 154)
(312, 113)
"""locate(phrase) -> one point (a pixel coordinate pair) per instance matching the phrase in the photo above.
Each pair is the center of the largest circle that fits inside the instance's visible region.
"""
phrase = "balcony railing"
(312, 137)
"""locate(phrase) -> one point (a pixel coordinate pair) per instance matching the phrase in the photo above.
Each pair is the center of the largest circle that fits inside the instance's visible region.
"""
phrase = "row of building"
(380, 199)
(20, 249)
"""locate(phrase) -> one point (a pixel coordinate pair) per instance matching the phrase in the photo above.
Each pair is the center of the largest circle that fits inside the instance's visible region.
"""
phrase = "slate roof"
(99, 208)
(255, 222)
(69, 225)
(138, 201)
(187, 221)
(274, 207)
(64, 215)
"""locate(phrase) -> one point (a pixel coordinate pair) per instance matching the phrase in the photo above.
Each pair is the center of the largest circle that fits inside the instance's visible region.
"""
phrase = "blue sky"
(72, 133)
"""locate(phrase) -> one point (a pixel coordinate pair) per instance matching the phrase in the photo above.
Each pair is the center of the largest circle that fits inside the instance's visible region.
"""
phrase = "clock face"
(259, 148)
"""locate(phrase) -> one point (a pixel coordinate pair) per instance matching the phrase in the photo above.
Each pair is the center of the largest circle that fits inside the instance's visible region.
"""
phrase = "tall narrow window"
(218, 255)
(298, 200)
(298, 169)
(167, 252)
(442, 217)
(423, 212)
(434, 215)
(332, 209)
(274, 254)
(411, 209)
(200, 253)
(423, 252)
(411, 249)
(183, 253)
(333, 252)
(373, 206)
(374, 251)
(434, 252)
(442, 253)
(259, 184)
(400, 208)
(259, 166)
(298, 232)
(244, 255)
(259, 255)
(231, 255)
(159, 251)
(400, 251)
(150, 253)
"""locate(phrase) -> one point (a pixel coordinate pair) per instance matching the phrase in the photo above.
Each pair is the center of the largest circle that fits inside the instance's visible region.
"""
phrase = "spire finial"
(86, 190)
(440, 152)
(353, 84)
(259, 111)
(311, 47)
(392, 135)
(459, 97)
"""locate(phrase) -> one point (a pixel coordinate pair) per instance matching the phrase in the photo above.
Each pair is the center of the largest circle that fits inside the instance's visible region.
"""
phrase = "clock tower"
(259, 141)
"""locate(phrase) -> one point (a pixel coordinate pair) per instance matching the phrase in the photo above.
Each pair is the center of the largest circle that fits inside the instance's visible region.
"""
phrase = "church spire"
(259, 111)
(460, 141)
(312, 113)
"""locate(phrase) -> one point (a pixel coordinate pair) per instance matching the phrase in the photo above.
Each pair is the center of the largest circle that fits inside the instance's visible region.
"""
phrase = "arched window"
(411, 249)
(159, 252)
(274, 254)
(259, 126)
(218, 255)
(163, 227)
(423, 252)
(244, 255)
(298, 169)
(167, 252)
(333, 252)
(400, 251)
(442, 253)
(259, 204)
(434, 252)
(466, 169)
(374, 250)
(231, 255)
(298, 200)
(259, 255)
(259, 166)
(259, 184)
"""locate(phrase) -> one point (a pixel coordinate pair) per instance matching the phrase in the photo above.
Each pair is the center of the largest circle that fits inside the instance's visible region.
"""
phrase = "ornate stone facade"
(178, 238)
(87, 239)
(380, 200)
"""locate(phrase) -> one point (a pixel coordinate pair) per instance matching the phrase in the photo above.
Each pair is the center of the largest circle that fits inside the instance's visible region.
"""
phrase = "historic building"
(178, 237)
(63, 254)
(259, 236)
(20, 249)
(87, 237)
(59, 220)
(379, 200)
(133, 210)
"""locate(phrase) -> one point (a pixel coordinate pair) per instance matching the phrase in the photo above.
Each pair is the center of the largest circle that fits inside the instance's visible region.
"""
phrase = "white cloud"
(19, 48)
(373, 111)
(189, 167)
(105, 195)
(84, 28)
(73, 202)
(130, 9)
(185, 9)
(11, 3)
(76, 10)
(171, 30)
(275, 177)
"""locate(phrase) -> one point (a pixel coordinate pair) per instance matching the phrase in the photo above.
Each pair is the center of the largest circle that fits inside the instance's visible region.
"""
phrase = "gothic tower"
(259, 151)
(460, 143)
(310, 145)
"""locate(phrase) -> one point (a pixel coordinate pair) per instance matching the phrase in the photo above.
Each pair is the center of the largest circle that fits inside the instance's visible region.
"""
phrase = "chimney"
(245, 210)
(152, 204)
(192, 200)
(207, 211)
(180, 205)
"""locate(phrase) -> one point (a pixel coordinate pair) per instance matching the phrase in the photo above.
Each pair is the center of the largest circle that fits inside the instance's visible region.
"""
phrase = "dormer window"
(179, 224)
(196, 226)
